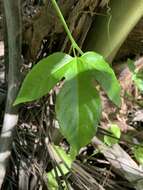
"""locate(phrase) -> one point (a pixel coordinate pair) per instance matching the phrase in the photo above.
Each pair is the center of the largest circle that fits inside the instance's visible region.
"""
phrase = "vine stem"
(74, 44)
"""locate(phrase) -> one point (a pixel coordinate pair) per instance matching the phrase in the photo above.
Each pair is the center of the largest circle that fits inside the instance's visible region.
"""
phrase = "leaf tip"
(19, 100)
(16, 102)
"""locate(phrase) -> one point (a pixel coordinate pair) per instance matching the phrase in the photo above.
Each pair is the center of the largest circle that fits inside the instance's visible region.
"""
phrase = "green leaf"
(131, 65)
(104, 74)
(52, 183)
(43, 76)
(138, 153)
(115, 132)
(78, 107)
(66, 158)
(138, 79)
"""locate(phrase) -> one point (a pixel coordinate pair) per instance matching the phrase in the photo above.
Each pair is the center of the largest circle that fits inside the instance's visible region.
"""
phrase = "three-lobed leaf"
(78, 105)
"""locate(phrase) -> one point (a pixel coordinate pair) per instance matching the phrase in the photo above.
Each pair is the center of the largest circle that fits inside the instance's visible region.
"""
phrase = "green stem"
(74, 44)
